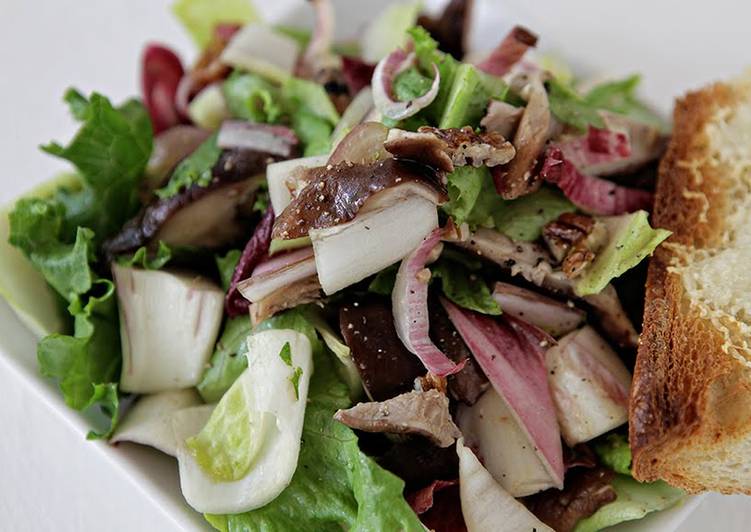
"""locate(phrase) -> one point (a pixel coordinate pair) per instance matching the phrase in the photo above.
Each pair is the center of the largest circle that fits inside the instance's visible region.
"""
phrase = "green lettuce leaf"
(383, 282)
(110, 151)
(619, 96)
(570, 108)
(228, 360)
(461, 283)
(226, 266)
(200, 16)
(302, 94)
(336, 486)
(148, 260)
(634, 501)
(469, 96)
(523, 218)
(86, 363)
(410, 84)
(630, 240)
(386, 32)
(472, 196)
(313, 131)
(194, 169)
(427, 53)
(252, 98)
(614, 452)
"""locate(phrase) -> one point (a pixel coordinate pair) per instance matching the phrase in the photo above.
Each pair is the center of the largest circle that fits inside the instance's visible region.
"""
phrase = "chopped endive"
(230, 441)
(244, 454)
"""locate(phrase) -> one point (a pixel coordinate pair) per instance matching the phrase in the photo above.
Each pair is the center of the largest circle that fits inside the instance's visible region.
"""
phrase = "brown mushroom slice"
(518, 177)
(170, 147)
(386, 367)
(502, 118)
(336, 193)
(446, 148)
(209, 216)
(421, 413)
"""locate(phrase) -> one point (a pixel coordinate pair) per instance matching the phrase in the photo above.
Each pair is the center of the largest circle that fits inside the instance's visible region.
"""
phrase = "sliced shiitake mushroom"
(336, 193)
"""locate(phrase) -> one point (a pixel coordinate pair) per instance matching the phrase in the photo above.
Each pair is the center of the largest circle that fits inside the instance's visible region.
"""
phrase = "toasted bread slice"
(690, 412)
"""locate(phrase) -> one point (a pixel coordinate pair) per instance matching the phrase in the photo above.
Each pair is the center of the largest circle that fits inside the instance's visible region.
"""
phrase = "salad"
(382, 284)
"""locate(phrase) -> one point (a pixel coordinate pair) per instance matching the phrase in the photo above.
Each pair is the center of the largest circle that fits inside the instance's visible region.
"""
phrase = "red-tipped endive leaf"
(511, 49)
(255, 250)
(589, 193)
(357, 73)
(383, 79)
(511, 353)
(161, 72)
(597, 148)
(410, 306)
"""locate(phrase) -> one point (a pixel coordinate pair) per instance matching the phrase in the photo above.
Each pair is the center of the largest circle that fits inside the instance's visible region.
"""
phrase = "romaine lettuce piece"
(228, 361)
(201, 16)
(410, 84)
(194, 169)
(614, 452)
(461, 284)
(619, 96)
(226, 266)
(251, 97)
(472, 196)
(630, 240)
(311, 97)
(388, 30)
(634, 501)
(335, 486)
(142, 258)
(470, 94)
(570, 108)
(427, 53)
(523, 218)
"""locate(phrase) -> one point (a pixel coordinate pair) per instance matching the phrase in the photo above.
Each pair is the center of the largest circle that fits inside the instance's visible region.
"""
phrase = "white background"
(50, 478)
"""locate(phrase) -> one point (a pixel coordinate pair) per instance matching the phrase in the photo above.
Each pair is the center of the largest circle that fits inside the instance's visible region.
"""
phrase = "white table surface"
(50, 478)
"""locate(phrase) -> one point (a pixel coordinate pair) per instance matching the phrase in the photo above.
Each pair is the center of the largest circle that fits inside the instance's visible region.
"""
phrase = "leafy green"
(142, 258)
(427, 53)
(302, 94)
(314, 133)
(228, 360)
(231, 439)
(461, 283)
(468, 99)
(87, 362)
(523, 218)
(634, 501)
(383, 282)
(570, 108)
(295, 380)
(614, 452)
(410, 84)
(226, 266)
(250, 97)
(194, 169)
(619, 96)
(336, 486)
(472, 196)
(262, 199)
(201, 16)
(630, 240)
(286, 354)
(110, 151)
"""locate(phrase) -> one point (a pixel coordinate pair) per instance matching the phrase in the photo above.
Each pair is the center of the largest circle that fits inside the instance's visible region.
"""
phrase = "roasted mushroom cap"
(386, 367)
(518, 177)
(336, 193)
(209, 216)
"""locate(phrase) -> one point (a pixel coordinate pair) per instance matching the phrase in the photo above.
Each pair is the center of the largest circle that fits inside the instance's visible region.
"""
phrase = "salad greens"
(65, 234)
(193, 170)
(336, 486)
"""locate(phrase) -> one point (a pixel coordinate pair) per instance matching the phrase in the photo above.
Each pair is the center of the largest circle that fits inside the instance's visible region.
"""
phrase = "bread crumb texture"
(690, 409)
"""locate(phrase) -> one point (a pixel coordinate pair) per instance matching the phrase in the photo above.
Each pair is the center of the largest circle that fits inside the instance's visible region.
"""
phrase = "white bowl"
(96, 46)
